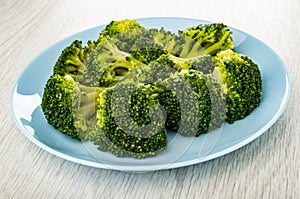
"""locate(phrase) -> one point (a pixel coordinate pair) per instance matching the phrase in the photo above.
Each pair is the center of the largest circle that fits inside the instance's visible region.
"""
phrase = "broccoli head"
(122, 33)
(205, 39)
(206, 110)
(242, 81)
(71, 61)
(159, 69)
(155, 42)
(106, 65)
(169, 41)
(69, 106)
(89, 48)
(131, 121)
(202, 63)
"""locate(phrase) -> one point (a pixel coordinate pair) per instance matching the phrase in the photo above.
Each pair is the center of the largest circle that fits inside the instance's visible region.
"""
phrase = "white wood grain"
(266, 168)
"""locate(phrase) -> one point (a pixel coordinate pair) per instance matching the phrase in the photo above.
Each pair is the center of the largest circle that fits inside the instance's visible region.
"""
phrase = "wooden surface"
(266, 168)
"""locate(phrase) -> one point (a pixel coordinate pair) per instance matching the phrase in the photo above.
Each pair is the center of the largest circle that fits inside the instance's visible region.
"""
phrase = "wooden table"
(266, 168)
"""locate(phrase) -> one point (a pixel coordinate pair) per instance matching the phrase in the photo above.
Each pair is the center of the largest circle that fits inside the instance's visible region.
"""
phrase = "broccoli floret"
(202, 63)
(167, 65)
(71, 61)
(125, 40)
(146, 51)
(147, 55)
(69, 106)
(154, 43)
(131, 120)
(106, 65)
(89, 48)
(208, 105)
(122, 33)
(167, 40)
(159, 69)
(205, 39)
(242, 81)
(170, 93)
(116, 27)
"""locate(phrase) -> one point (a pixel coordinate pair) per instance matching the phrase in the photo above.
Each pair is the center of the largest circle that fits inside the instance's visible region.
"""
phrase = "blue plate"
(27, 113)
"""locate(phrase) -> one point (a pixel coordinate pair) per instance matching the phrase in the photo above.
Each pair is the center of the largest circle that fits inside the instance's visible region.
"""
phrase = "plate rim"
(140, 168)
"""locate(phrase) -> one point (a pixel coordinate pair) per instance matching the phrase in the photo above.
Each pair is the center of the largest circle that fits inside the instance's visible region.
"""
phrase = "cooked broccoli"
(122, 33)
(205, 39)
(89, 48)
(106, 65)
(202, 63)
(242, 81)
(131, 119)
(167, 65)
(116, 27)
(71, 61)
(154, 43)
(159, 69)
(146, 51)
(69, 106)
(169, 41)
(124, 90)
(208, 106)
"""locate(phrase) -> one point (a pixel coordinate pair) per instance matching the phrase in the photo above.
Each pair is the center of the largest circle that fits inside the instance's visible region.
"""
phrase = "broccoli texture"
(89, 48)
(159, 69)
(69, 106)
(122, 33)
(202, 63)
(242, 81)
(131, 119)
(167, 40)
(154, 43)
(71, 61)
(145, 51)
(205, 39)
(208, 105)
(106, 65)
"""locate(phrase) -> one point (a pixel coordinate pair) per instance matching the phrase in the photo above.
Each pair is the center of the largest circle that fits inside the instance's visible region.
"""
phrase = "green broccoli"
(208, 106)
(106, 65)
(91, 45)
(169, 41)
(71, 61)
(202, 63)
(154, 43)
(124, 90)
(122, 33)
(131, 121)
(69, 106)
(146, 51)
(159, 69)
(205, 39)
(242, 81)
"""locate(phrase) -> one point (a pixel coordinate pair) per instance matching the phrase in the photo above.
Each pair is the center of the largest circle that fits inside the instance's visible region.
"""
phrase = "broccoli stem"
(188, 44)
(193, 48)
(89, 98)
(75, 60)
(121, 71)
(88, 102)
(87, 110)
(90, 89)
(76, 68)
(215, 47)
(178, 61)
(114, 51)
(196, 50)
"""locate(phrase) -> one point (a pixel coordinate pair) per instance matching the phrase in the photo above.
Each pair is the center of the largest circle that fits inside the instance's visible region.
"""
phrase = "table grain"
(266, 168)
